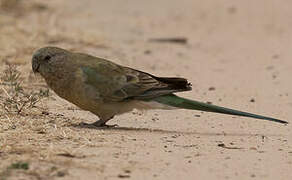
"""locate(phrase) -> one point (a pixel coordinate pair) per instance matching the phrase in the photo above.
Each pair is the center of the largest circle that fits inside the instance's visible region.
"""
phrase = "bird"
(107, 89)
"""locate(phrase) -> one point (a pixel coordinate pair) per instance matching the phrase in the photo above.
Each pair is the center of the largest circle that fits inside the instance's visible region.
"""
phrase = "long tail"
(179, 102)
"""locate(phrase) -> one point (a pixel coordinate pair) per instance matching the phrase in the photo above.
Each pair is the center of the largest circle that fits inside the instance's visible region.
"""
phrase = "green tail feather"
(175, 101)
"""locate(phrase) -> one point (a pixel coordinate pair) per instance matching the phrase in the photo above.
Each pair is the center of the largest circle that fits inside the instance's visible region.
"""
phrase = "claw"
(98, 125)
(108, 126)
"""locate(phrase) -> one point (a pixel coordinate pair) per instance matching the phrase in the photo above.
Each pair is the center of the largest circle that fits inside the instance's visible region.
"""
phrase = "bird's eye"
(47, 58)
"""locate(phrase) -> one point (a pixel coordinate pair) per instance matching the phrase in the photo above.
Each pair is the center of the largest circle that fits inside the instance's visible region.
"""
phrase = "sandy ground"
(238, 54)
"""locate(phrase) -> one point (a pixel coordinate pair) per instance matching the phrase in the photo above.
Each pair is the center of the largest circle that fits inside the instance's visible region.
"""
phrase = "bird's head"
(45, 59)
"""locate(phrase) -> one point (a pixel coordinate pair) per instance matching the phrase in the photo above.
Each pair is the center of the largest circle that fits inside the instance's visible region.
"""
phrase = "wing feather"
(117, 83)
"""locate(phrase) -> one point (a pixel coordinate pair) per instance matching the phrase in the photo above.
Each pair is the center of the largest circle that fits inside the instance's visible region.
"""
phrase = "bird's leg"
(102, 123)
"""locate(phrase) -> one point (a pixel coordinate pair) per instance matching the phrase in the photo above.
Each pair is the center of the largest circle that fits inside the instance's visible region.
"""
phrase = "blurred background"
(234, 37)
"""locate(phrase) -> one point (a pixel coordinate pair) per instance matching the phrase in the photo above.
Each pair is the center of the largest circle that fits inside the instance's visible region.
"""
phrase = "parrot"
(106, 89)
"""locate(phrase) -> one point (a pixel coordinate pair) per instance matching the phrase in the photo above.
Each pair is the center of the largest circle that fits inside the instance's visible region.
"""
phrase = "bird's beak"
(35, 65)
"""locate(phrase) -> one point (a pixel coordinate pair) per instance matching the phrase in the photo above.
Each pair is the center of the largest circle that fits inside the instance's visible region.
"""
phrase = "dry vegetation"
(32, 137)
(23, 118)
(23, 113)
(17, 99)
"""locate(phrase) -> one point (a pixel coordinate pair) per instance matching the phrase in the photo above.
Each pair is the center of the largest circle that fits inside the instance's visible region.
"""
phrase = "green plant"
(19, 165)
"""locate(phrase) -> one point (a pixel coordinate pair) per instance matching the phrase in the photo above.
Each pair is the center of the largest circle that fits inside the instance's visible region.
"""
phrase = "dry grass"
(30, 137)
(15, 98)
(22, 121)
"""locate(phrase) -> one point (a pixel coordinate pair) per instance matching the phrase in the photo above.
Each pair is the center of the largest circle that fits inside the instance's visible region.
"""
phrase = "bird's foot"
(104, 125)
(97, 124)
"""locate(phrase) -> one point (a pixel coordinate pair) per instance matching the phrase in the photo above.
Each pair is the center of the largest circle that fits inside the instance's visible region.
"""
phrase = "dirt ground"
(237, 54)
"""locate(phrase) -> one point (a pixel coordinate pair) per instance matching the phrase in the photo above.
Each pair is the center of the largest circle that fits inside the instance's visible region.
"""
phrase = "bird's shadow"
(163, 131)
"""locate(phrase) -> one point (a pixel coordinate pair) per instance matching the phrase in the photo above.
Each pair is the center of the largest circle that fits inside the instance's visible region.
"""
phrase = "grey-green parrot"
(107, 89)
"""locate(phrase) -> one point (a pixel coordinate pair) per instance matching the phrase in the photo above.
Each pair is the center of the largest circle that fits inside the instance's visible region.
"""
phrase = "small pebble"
(211, 88)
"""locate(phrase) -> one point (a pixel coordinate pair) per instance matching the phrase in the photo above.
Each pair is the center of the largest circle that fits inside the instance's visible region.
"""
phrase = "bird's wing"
(117, 83)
